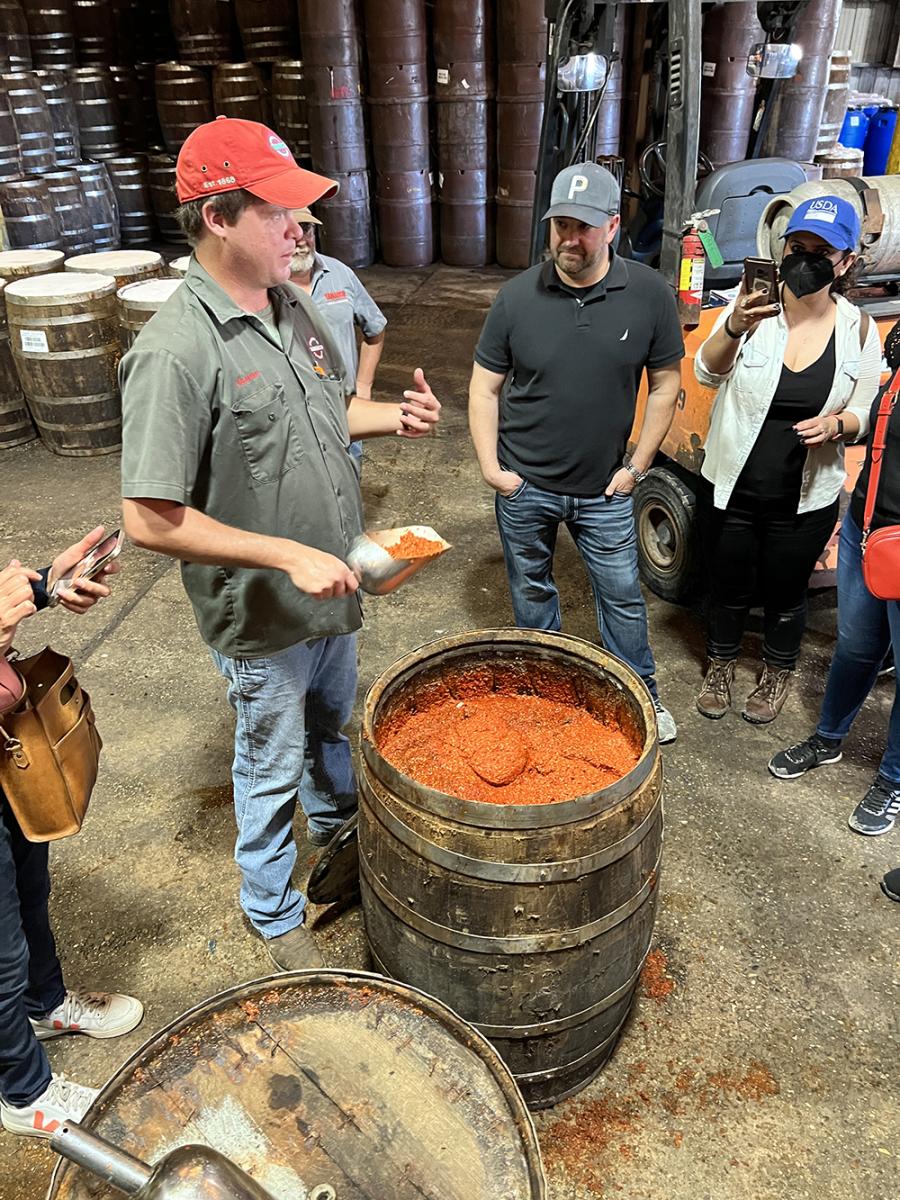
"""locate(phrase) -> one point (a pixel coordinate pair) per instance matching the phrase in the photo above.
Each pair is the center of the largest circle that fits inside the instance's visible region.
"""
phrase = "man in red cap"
(237, 418)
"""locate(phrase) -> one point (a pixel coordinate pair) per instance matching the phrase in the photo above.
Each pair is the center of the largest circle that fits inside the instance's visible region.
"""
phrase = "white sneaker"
(666, 729)
(62, 1101)
(98, 1014)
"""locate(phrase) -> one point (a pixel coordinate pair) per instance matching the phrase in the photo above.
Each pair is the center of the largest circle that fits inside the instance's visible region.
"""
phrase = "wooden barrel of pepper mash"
(530, 921)
(18, 264)
(324, 1085)
(125, 266)
(139, 301)
(64, 332)
(16, 426)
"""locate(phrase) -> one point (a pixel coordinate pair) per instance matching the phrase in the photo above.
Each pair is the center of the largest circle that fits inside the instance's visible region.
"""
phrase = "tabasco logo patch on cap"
(278, 146)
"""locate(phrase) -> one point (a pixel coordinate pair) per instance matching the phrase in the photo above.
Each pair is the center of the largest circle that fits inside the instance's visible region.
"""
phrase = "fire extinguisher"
(690, 277)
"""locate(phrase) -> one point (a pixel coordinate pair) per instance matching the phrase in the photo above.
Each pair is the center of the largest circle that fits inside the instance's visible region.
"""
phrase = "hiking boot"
(816, 751)
(890, 885)
(98, 1014)
(666, 729)
(295, 950)
(62, 1101)
(878, 809)
(767, 699)
(714, 699)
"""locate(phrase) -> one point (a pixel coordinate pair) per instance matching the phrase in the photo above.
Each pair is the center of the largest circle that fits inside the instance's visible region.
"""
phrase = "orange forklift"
(730, 202)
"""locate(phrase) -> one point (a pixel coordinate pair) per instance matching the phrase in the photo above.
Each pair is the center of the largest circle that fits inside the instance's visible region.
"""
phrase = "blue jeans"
(291, 710)
(867, 627)
(603, 530)
(31, 982)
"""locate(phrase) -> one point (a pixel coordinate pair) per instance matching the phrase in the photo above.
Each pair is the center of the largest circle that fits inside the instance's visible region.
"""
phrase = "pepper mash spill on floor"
(503, 748)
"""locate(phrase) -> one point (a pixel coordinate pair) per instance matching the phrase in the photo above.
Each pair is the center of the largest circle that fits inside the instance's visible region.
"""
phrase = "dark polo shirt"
(250, 427)
(573, 359)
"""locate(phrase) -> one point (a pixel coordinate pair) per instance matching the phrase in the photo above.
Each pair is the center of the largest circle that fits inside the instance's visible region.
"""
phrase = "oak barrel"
(204, 30)
(840, 162)
(71, 207)
(325, 1084)
(16, 426)
(178, 267)
(131, 106)
(268, 30)
(139, 301)
(161, 178)
(128, 176)
(64, 332)
(10, 161)
(15, 51)
(32, 121)
(19, 264)
(289, 108)
(51, 32)
(183, 101)
(31, 222)
(98, 113)
(241, 90)
(63, 116)
(530, 921)
(95, 31)
(125, 266)
(101, 198)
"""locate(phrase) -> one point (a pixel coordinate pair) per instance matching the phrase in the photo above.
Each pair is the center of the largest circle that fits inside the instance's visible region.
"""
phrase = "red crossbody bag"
(881, 549)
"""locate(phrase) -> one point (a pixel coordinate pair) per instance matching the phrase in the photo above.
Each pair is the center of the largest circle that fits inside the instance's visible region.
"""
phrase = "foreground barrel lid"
(148, 293)
(39, 289)
(315, 1078)
(114, 261)
(23, 262)
(180, 265)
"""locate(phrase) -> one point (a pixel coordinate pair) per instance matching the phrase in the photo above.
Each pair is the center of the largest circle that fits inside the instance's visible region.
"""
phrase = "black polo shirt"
(573, 359)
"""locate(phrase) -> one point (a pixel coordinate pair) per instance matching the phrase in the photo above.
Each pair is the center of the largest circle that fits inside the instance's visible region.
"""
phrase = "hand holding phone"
(758, 297)
(89, 566)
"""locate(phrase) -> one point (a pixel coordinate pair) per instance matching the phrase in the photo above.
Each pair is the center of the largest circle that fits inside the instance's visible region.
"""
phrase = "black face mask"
(805, 274)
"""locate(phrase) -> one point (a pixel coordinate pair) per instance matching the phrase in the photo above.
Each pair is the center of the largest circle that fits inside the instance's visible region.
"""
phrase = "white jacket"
(745, 394)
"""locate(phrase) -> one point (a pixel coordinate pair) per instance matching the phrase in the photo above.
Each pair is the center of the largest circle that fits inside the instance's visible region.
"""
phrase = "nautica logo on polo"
(579, 184)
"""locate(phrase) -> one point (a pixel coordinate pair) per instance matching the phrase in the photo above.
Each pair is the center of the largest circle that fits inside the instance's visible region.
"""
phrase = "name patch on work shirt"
(341, 295)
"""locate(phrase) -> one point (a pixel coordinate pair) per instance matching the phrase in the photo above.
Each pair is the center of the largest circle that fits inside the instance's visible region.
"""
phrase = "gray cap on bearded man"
(585, 192)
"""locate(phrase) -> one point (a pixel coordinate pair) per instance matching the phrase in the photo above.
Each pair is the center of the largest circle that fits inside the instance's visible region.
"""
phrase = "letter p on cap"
(579, 184)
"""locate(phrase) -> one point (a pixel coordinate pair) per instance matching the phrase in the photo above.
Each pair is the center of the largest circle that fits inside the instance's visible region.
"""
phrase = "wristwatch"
(639, 476)
(840, 429)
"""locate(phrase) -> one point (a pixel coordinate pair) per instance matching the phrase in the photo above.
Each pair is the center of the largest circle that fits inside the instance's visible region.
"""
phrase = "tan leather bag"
(49, 749)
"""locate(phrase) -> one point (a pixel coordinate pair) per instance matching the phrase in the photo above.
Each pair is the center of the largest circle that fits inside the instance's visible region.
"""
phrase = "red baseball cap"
(228, 153)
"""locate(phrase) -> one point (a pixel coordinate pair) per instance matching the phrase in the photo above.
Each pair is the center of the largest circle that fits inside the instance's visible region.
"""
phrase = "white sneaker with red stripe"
(62, 1101)
(98, 1014)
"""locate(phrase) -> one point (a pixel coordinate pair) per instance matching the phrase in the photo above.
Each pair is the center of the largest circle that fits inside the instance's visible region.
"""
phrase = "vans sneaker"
(878, 809)
(666, 729)
(98, 1014)
(816, 751)
(62, 1101)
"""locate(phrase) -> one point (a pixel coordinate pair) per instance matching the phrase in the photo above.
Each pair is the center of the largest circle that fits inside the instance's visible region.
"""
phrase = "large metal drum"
(530, 921)
(880, 257)
(16, 426)
(797, 110)
(31, 222)
(15, 52)
(241, 90)
(347, 230)
(71, 208)
(729, 93)
(325, 1084)
(124, 266)
(609, 122)
(128, 176)
(183, 101)
(98, 112)
(51, 32)
(101, 199)
(20, 264)
(268, 30)
(63, 116)
(32, 120)
(64, 332)
(289, 108)
(139, 301)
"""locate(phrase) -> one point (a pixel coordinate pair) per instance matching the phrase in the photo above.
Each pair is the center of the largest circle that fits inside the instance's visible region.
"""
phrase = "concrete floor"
(769, 1070)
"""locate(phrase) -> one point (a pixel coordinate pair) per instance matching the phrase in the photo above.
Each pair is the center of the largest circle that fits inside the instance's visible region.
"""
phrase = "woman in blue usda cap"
(795, 371)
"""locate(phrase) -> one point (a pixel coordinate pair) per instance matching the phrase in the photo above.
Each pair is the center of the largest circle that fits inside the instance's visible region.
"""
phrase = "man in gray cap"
(551, 405)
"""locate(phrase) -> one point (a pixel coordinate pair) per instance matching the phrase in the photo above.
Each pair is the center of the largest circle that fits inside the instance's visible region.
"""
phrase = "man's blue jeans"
(867, 627)
(289, 744)
(31, 982)
(603, 530)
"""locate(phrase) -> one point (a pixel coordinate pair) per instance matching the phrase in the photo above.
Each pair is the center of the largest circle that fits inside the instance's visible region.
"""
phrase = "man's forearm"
(369, 357)
(484, 422)
(657, 418)
(186, 533)
(373, 418)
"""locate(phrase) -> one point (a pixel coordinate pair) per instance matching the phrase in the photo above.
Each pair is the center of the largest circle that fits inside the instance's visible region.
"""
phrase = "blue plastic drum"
(877, 147)
(854, 129)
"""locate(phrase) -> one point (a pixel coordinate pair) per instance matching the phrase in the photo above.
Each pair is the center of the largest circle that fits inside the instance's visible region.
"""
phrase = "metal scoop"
(377, 570)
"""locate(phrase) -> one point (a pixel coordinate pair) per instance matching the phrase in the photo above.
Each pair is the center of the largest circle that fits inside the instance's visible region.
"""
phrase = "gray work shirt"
(216, 415)
(339, 293)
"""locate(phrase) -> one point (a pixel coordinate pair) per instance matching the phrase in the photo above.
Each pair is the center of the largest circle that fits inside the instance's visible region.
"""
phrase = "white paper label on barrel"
(709, 69)
(443, 75)
(34, 341)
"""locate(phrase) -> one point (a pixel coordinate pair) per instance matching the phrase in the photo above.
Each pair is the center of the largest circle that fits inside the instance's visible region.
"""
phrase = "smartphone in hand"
(91, 565)
(761, 275)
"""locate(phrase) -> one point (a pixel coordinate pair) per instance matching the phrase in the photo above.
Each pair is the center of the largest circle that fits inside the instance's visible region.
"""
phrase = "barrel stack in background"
(69, 203)
(241, 90)
(101, 202)
(95, 32)
(16, 426)
(63, 116)
(51, 33)
(397, 53)
(330, 37)
(32, 120)
(15, 48)
(268, 29)
(183, 101)
(205, 31)
(290, 110)
(10, 160)
(729, 93)
(465, 121)
(97, 111)
(130, 185)
(31, 223)
(521, 68)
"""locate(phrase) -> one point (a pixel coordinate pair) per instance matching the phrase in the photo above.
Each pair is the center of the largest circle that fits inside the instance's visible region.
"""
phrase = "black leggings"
(760, 552)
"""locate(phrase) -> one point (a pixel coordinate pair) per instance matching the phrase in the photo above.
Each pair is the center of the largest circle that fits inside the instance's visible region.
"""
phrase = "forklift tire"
(667, 535)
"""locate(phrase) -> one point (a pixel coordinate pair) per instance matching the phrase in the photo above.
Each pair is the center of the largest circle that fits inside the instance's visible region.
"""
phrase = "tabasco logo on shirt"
(332, 296)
